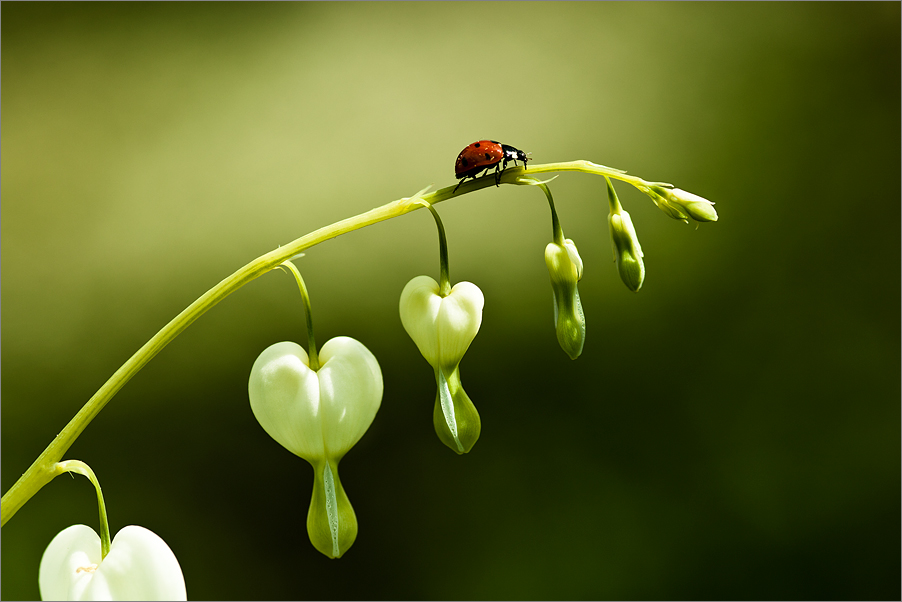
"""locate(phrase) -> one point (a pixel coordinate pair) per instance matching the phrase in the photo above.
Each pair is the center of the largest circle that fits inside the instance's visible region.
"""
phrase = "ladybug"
(484, 155)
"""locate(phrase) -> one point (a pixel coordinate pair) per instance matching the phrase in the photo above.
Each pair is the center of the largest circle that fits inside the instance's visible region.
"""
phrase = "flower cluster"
(319, 402)
(319, 406)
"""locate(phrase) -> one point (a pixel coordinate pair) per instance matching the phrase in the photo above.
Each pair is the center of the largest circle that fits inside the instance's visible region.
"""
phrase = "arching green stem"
(77, 466)
(311, 340)
(43, 469)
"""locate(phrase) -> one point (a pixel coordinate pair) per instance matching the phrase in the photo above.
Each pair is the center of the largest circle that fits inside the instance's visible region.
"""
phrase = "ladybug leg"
(498, 173)
(464, 179)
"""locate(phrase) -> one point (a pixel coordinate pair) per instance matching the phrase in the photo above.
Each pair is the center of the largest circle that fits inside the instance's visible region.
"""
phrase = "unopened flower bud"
(682, 205)
(627, 252)
(698, 208)
(566, 268)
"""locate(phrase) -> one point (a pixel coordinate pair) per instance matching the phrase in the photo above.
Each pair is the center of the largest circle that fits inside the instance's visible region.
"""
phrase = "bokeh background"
(731, 431)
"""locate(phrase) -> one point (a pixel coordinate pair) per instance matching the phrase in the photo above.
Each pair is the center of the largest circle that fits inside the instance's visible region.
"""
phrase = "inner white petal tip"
(448, 409)
(331, 508)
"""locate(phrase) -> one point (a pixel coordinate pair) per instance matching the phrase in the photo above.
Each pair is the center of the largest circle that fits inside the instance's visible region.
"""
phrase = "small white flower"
(316, 415)
(139, 566)
(443, 328)
(319, 416)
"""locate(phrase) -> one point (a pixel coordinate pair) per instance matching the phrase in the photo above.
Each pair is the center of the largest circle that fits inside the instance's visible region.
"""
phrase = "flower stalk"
(625, 244)
(308, 313)
(444, 270)
(565, 267)
(83, 469)
(43, 469)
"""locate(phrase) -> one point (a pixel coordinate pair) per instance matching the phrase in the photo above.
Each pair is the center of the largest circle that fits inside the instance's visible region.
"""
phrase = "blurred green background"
(731, 431)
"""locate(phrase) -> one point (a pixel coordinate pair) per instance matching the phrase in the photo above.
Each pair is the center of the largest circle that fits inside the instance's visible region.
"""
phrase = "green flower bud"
(627, 252)
(671, 209)
(443, 328)
(681, 205)
(698, 208)
(566, 269)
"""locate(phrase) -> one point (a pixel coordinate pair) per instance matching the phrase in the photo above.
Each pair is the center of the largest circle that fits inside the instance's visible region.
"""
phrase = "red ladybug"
(484, 155)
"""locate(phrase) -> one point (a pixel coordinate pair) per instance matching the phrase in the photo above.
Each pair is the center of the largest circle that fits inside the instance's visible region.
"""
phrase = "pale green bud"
(681, 205)
(443, 328)
(698, 208)
(627, 252)
(566, 269)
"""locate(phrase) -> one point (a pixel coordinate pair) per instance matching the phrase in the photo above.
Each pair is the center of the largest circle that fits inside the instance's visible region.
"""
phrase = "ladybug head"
(513, 154)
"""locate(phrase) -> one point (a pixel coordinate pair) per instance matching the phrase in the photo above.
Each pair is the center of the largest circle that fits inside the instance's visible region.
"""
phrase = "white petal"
(419, 308)
(458, 322)
(350, 385)
(689, 197)
(570, 246)
(76, 547)
(285, 399)
(139, 566)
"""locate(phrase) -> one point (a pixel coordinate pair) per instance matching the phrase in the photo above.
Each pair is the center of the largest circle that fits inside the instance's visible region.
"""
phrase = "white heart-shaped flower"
(321, 414)
(139, 566)
(441, 327)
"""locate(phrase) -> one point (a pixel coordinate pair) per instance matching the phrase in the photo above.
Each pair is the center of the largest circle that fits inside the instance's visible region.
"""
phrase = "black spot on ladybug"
(464, 162)
(476, 145)
(488, 157)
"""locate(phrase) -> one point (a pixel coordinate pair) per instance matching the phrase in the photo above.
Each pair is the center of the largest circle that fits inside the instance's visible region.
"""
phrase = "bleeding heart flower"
(139, 566)
(443, 328)
(319, 415)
